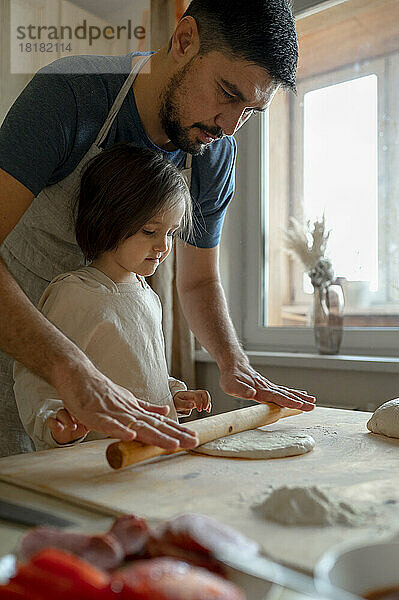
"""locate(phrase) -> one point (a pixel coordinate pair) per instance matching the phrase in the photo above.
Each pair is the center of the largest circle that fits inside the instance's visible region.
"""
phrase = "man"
(225, 61)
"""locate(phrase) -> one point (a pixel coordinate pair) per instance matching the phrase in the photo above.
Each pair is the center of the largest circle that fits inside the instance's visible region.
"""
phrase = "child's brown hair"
(123, 188)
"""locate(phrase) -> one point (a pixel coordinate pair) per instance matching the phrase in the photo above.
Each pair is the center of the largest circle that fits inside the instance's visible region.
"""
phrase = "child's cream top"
(118, 326)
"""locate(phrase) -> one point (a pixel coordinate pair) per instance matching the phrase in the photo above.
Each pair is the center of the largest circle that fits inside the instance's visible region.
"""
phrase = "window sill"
(339, 362)
(372, 316)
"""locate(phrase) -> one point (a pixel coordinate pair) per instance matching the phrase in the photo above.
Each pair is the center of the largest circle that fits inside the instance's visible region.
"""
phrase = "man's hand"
(185, 401)
(104, 406)
(243, 381)
(205, 308)
(65, 428)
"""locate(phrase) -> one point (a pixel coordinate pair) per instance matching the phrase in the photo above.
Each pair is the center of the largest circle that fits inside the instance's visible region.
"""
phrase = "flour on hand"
(385, 419)
(258, 443)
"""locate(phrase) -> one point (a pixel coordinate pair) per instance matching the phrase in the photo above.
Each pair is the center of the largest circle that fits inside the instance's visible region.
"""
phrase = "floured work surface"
(355, 463)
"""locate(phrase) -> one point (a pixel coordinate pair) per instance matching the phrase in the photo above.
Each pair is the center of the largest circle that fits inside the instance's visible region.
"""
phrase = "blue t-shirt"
(58, 115)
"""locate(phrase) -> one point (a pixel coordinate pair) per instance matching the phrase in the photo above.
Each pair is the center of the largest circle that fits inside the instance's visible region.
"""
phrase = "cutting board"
(346, 457)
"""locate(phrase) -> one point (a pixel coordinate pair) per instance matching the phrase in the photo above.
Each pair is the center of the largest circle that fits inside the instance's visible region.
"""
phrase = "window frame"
(378, 66)
(252, 192)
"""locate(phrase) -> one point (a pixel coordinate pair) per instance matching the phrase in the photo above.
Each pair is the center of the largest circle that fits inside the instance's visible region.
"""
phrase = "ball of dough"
(385, 419)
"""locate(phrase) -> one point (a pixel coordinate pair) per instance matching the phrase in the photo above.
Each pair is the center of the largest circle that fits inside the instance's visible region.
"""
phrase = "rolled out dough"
(385, 420)
(258, 443)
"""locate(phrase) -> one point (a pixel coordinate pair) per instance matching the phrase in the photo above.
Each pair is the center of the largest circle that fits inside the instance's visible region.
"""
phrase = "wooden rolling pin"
(122, 454)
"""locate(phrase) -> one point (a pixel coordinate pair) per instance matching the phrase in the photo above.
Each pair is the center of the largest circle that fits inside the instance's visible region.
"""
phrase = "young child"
(132, 202)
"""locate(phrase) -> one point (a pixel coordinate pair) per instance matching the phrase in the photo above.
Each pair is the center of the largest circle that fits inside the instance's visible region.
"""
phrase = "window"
(332, 149)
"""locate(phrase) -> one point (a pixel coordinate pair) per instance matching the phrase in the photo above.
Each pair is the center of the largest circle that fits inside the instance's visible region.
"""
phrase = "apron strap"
(187, 170)
(189, 159)
(119, 100)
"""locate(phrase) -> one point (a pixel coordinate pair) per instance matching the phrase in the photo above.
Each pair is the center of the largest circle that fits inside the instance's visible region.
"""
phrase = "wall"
(339, 389)
(10, 84)
(159, 18)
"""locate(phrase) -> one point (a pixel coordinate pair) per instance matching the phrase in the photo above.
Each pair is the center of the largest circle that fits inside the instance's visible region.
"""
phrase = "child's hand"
(65, 428)
(185, 401)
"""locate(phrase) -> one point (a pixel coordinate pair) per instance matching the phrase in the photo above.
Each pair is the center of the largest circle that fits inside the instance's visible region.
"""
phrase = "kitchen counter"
(346, 458)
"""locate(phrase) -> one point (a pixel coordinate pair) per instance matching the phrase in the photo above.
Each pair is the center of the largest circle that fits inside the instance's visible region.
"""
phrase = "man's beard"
(170, 116)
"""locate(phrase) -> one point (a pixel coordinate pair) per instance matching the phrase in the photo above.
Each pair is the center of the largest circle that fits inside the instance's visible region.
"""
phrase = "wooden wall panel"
(162, 22)
(353, 31)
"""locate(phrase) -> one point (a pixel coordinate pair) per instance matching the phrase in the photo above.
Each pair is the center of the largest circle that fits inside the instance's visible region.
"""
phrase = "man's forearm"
(27, 336)
(206, 311)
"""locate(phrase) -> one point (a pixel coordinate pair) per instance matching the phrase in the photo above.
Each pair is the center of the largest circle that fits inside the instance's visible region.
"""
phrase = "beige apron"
(41, 246)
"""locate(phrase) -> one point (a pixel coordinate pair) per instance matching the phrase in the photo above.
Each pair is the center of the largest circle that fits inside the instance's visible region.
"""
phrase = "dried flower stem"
(312, 256)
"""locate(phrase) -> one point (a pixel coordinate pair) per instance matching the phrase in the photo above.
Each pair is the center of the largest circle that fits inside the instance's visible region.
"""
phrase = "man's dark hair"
(121, 189)
(260, 31)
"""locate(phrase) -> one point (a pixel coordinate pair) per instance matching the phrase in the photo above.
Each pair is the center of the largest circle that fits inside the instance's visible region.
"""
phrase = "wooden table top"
(347, 458)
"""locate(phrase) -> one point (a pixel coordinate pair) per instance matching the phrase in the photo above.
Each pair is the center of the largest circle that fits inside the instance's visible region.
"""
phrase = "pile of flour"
(312, 506)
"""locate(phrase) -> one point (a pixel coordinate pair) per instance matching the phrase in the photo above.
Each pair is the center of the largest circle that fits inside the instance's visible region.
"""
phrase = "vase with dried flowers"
(328, 296)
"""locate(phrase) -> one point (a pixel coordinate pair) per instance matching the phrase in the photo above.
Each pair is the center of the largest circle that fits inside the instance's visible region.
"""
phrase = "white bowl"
(360, 568)
(254, 588)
